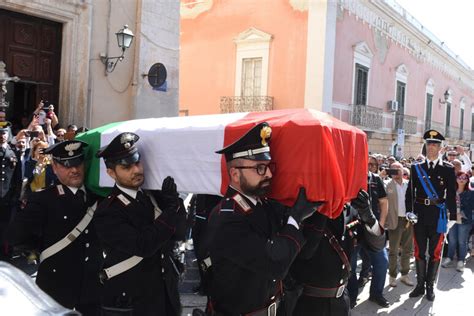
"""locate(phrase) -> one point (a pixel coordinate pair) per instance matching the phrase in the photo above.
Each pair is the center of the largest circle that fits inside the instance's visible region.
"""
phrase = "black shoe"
(430, 296)
(418, 291)
(379, 300)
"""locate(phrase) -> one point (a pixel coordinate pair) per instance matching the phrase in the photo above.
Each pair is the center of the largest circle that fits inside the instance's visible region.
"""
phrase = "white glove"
(451, 224)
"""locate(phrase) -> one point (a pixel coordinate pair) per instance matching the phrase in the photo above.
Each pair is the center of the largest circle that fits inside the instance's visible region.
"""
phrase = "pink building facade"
(367, 63)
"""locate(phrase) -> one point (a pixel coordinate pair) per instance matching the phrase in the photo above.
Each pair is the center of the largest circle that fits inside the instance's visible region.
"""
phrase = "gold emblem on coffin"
(265, 134)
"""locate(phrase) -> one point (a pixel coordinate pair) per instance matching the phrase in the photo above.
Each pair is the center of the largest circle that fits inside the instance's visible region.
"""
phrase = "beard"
(262, 188)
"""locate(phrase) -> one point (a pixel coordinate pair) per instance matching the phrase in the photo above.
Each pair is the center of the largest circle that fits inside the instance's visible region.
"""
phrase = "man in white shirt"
(400, 230)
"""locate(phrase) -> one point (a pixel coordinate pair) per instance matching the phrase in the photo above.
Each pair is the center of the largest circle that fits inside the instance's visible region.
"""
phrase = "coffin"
(310, 148)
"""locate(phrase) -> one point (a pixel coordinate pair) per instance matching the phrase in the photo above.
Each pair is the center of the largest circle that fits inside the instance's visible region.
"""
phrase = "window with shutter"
(251, 77)
(361, 81)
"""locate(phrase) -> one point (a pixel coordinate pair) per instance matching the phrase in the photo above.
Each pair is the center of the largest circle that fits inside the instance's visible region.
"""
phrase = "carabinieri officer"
(138, 229)
(431, 193)
(58, 222)
(252, 240)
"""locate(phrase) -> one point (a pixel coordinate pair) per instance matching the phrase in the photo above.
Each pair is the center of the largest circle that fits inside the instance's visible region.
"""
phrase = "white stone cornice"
(252, 35)
(192, 9)
(393, 25)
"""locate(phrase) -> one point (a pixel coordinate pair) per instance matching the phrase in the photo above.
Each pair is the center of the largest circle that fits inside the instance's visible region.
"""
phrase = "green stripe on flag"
(92, 138)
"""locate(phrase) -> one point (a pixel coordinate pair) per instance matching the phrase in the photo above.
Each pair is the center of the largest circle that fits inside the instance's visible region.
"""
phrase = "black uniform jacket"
(319, 264)
(10, 171)
(127, 227)
(444, 182)
(71, 275)
(251, 249)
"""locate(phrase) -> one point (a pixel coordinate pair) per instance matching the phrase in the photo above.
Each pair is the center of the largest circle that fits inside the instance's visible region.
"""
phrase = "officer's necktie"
(142, 198)
(80, 194)
(431, 165)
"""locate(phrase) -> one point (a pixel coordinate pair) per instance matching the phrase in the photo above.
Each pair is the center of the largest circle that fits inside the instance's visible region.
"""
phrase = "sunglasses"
(462, 178)
(405, 174)
(261, 168)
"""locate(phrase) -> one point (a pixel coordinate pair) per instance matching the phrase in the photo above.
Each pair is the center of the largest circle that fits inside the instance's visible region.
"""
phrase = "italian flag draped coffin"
(310, 148)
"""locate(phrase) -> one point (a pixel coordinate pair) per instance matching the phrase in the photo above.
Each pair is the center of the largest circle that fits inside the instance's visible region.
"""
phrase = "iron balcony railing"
(406, 122)
(367, 117)
(232, 104)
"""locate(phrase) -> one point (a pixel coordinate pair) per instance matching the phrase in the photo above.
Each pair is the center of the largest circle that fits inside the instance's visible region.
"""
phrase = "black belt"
(428, 202)
(270, 310)
(313, 291)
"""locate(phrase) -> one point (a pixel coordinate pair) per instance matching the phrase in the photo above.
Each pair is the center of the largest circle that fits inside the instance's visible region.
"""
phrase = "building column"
(321, 43)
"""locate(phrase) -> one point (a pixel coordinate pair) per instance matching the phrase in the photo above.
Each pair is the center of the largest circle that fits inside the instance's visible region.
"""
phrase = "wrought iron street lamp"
(124, 41)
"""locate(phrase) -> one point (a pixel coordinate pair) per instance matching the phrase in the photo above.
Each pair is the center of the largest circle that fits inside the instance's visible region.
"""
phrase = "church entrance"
(31, 49)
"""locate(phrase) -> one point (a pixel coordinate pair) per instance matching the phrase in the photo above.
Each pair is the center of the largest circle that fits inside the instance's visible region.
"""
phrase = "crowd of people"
(117, 255)
(28, 168)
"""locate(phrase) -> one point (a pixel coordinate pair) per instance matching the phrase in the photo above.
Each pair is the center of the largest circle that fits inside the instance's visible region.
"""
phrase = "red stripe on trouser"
(439, 247)
(417, 250)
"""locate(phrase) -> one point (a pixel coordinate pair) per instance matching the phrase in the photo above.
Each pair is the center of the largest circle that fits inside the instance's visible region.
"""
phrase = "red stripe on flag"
(311, 149)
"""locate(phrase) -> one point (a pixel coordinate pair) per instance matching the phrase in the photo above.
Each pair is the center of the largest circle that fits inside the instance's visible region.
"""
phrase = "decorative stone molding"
(462, 103)
(450, 96)
(74, 73)
(402, 73)
(252, 43)
(430, 86)
(252, 35)
(382, 44)
(363, 54)
(426, 52)
(191, 9)
(299, 5)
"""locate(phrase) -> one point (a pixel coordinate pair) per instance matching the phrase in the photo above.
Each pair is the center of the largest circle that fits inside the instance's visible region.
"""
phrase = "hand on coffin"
(303, 208)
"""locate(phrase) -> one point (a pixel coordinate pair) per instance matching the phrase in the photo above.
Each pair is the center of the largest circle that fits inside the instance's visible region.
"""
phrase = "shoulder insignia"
(241, 202)
(123, 199)
(226, 205)
(60, 189)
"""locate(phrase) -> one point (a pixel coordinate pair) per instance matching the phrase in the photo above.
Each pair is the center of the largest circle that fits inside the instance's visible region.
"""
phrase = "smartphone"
(41, 117)
(392, 172)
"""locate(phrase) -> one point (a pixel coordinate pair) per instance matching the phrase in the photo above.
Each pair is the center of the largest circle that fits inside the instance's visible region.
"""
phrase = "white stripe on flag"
(181, 147)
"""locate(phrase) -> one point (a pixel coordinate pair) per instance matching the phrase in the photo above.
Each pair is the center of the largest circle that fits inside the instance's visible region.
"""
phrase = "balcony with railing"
(367, 117)
(406, 122)
(232, 104)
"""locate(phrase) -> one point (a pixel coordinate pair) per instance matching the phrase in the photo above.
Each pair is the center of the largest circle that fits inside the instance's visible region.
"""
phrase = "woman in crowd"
(459, 234)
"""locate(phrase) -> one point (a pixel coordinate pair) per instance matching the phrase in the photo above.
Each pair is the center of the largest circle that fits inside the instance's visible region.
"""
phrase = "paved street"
(453, 297)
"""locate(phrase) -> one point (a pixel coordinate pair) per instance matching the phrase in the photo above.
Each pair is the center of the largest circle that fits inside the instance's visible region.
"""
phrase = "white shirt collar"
(132, 193)
(74, 189)
(435, 162)
(252, 199)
